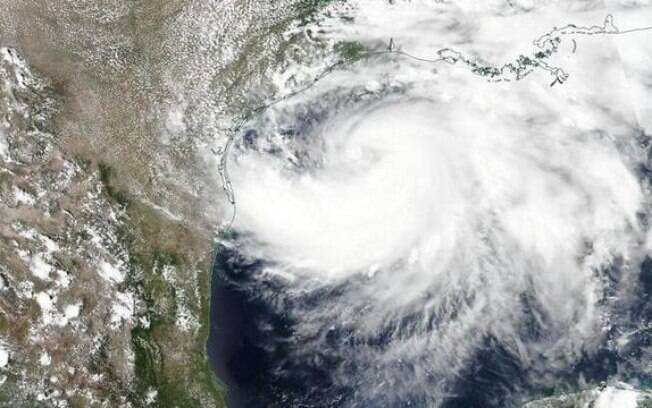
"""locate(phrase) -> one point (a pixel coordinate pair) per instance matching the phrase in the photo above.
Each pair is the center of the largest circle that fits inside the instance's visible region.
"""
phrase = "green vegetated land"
(349, 50)
(169, 361)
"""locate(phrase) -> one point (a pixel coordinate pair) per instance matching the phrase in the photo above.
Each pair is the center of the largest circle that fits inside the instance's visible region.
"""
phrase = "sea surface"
(252, 351)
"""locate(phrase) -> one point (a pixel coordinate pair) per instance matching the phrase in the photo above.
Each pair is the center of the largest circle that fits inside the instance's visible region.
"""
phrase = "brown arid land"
(110, 111)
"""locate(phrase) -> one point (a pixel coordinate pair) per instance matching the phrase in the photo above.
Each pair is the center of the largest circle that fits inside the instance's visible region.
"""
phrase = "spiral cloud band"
(409, 220)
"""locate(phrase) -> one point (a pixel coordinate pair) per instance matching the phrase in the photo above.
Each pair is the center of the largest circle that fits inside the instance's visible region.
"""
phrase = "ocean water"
(255, 351)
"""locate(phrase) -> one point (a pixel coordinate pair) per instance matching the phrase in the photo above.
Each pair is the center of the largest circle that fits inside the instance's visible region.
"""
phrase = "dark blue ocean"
(253, 351)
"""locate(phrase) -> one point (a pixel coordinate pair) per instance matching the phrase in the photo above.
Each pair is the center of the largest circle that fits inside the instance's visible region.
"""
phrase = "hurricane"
(405, 239)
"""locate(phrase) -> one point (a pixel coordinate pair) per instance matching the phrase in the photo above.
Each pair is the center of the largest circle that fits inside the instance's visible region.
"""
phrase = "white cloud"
(454, 197)
(122, 309)
(4, 357)
(111, 272)
(45, 359)
(612, 397)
